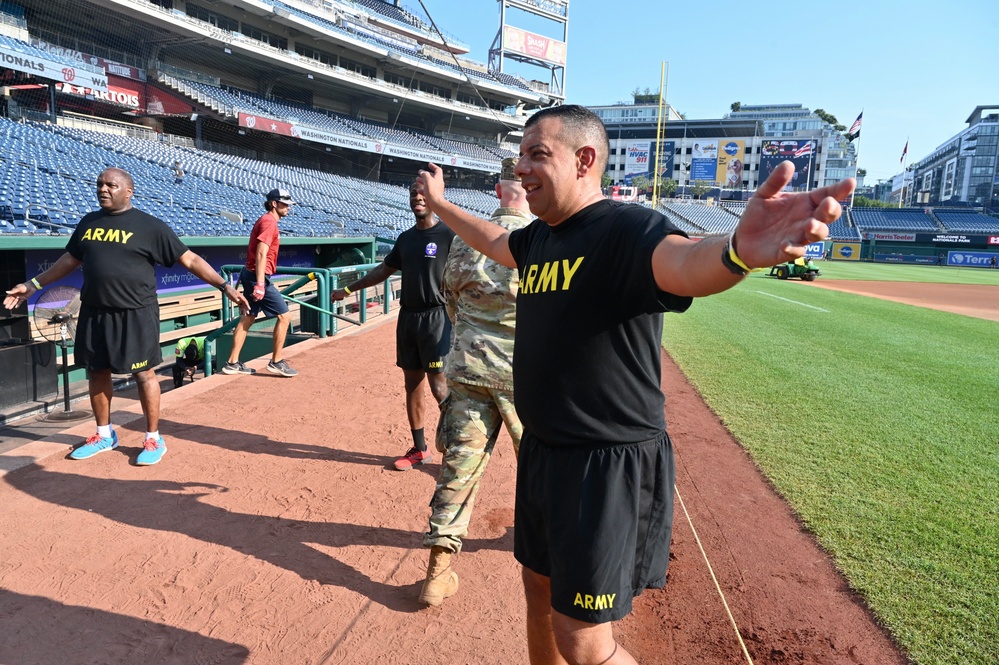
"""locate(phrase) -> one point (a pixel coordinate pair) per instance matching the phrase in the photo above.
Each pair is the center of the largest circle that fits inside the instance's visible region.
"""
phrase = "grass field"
(885, 272)
(879, 422)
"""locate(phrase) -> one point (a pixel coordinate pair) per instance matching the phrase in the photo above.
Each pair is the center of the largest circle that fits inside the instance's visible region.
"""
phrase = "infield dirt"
(275, 531)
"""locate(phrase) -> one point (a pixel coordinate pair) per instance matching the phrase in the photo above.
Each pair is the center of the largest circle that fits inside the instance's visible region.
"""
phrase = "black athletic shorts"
(125, 341)
(422, 340)
(597, 520)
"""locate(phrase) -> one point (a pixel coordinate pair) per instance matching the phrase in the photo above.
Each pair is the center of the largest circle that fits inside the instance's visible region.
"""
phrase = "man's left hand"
(241, 302)
(777, 226)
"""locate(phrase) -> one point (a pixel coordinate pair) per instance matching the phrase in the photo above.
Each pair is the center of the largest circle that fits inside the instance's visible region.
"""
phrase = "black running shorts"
(422, 340)
(125, 341)
(597, 520)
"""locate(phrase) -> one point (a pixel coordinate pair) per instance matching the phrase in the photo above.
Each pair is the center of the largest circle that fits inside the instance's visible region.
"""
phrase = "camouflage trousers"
(469, 425)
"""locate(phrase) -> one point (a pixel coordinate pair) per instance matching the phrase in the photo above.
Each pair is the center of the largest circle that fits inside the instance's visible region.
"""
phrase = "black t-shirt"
(586, 362)
(421, 255)
(119, 253)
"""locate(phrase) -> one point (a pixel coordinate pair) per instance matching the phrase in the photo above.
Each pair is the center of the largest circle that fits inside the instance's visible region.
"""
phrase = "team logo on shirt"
(431, 250)
(552, 276)
(107, 235)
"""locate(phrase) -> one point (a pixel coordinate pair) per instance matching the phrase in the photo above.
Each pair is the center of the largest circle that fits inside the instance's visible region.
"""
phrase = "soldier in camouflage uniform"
(480, 296)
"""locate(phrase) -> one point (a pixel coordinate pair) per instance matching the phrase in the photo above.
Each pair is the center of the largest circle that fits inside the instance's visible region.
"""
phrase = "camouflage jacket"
(481, 296)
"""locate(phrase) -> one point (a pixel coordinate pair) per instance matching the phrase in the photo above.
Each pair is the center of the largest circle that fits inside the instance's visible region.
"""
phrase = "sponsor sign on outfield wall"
(967, 259)
(846, 251)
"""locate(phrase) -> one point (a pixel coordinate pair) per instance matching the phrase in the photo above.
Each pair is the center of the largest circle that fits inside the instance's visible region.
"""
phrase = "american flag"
(855, 127)
(905, 151)
(805, 150)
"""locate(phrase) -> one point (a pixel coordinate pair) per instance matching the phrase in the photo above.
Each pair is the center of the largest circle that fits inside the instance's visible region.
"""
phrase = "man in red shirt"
(261, 262)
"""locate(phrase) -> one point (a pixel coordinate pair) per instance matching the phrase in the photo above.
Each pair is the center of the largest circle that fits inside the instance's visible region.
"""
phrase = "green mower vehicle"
(803, 268)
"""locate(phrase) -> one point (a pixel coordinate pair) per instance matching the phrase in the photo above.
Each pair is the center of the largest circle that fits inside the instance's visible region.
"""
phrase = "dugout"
(187, 306)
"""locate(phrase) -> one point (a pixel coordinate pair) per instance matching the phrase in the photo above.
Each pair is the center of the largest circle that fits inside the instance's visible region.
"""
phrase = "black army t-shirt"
(119, 253)
(421, 255)
(586, 363)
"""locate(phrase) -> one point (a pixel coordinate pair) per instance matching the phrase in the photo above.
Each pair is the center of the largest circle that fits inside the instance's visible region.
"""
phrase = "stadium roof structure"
(692, 129)
(155, 33)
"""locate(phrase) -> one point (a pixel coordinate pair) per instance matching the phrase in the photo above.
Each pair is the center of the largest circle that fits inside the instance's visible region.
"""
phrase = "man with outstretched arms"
(595, 472)
(118, 331)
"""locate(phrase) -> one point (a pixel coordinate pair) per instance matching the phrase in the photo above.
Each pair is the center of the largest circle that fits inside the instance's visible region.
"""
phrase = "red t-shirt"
(264, 231)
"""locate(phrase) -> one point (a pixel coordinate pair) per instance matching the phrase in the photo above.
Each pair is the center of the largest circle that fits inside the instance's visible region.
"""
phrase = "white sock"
(104, 431)
(152, 435)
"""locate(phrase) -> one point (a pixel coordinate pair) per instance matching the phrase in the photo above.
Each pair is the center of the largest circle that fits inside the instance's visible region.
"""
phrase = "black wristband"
(222, 286)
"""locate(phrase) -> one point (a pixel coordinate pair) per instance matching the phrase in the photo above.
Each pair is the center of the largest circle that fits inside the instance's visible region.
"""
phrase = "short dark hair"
(580, 126)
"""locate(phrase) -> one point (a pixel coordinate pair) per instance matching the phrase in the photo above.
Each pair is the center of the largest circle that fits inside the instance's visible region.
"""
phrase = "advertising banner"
(666, 160)
(329, 138)
(108, 66)
(534, 46)
(966, 259)
(815, 250)
(636, 161)
(953, 238)
(704, 161)
(415, 154)
(801, 152)
(893, 236)
(265, 124)
(731, 161)
(846, 251)
(50, 69)
(120, 91)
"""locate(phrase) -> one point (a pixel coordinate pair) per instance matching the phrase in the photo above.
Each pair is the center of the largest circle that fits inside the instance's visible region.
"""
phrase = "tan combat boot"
(441, 581)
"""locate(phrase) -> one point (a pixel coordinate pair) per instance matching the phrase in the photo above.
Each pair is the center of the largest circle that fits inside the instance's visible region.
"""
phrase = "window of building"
(947, 189)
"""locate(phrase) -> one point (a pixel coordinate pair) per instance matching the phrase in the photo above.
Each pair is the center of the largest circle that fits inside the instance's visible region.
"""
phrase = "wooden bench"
(200, 312)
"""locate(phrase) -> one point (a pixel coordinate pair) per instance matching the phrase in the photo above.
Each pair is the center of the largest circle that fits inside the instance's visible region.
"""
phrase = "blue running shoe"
(95, 444)
(152, 452)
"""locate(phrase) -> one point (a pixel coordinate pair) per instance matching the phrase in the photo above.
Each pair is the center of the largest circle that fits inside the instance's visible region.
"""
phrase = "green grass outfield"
(887, 272)
(879, 423)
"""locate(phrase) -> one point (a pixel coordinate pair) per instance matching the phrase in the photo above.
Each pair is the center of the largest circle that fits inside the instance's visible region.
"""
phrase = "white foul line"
(793, 301)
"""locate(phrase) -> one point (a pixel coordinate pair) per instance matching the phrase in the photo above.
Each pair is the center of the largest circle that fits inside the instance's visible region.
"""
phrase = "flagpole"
(905, 152)
(857, 153)
(808, 181)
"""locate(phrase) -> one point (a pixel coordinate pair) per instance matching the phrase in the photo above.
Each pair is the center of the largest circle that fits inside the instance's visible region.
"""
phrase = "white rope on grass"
(731, 618)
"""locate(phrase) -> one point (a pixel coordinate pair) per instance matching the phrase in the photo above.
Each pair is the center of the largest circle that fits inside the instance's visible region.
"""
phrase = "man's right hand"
(258, 291)
(18, 294)
(338, 295)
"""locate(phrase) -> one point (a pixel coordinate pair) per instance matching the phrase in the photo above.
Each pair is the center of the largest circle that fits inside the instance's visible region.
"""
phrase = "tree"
(641, 183)
(827, 117)
(736, 106)
(861, 201)
(667, 188)
(606, 180)
(699, 188)
(861, 173)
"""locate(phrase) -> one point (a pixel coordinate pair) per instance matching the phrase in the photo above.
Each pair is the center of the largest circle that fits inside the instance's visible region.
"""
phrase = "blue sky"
(917, 69)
